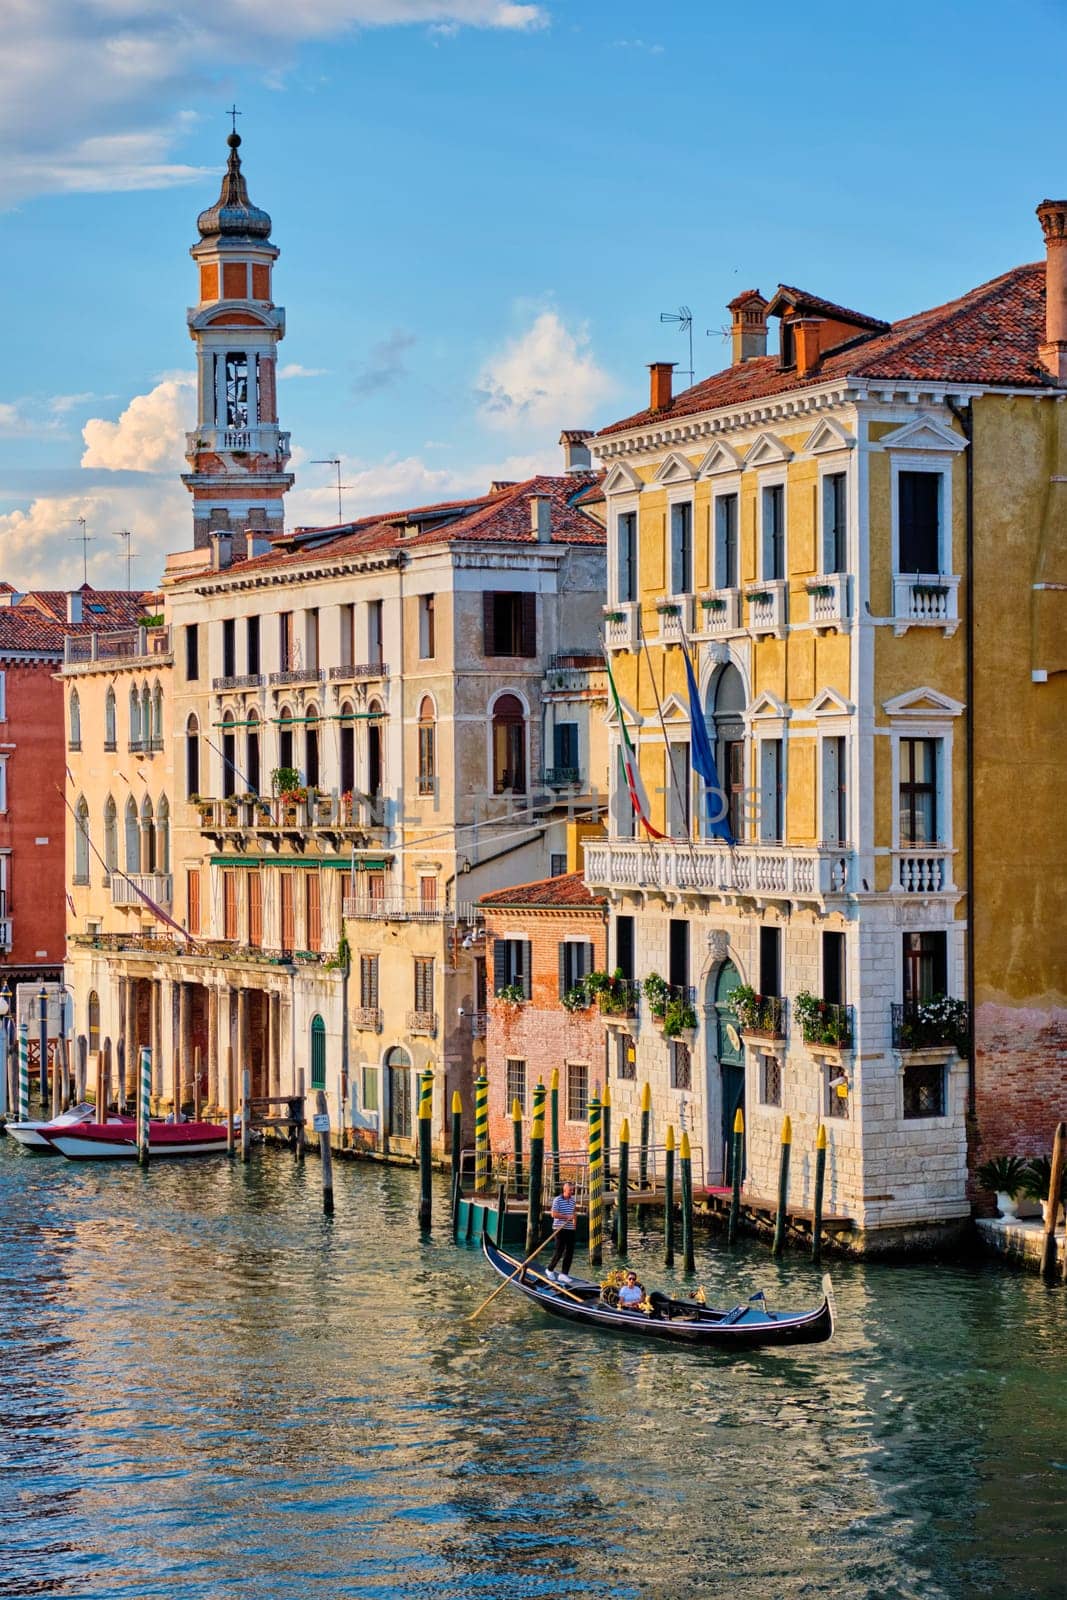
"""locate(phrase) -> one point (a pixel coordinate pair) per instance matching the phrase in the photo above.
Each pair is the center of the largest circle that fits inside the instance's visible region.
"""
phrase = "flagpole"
(696, 710)
(666, 743)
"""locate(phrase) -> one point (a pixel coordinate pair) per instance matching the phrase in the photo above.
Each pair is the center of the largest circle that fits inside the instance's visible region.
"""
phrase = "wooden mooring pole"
(820, 1184)
(1055, 1200)
(605, 1122)
(642, 1153)
(425, 1151)
(781, 1218)
(622, 1204)
(668, 1199)
(105, 1082)
(735, 1175)
(686, 1163)
(196, 1084)
(596, 1185)
(322, 1127)
(457, 1137)
(481, 1133)
(537, 1175)
(144, 1106)
(246, 1114)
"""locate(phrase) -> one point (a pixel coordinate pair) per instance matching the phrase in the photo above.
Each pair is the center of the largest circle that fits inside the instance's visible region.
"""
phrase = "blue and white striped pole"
(144, 1106)
(24, 1072)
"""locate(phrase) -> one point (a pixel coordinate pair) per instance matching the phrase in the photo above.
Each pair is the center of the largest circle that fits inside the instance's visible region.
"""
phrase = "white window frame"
(835, 466)
(681, 496)
(623, 505)
(724, 486)
(939, 465)
(771, 479)
(942, 733)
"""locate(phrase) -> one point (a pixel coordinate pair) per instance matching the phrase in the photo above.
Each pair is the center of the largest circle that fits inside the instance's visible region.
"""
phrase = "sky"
(482, 206)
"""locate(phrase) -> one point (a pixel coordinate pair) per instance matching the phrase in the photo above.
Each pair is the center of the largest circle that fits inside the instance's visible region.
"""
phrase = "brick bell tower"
(236, 453)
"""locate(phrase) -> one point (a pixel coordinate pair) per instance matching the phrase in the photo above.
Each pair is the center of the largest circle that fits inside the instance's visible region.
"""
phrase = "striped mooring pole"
(605, 1118)
(425, 1154)
(24, 1072)
(735, 1175)
(668, 1199)
(554, 1125)
(783, 1188)
(516, 1144)
(540, 1096)
(537, 1174)
(820, 1184)
(457, 1136)
(686, 1163)
(596, 1185)
(622, 1206)
(144, 1106)
(481, 1133)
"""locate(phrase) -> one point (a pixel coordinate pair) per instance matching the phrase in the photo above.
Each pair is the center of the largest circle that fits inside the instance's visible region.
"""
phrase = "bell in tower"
(237, 455)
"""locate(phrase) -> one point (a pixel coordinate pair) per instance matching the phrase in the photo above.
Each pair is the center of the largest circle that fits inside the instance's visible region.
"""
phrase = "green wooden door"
(318, 1053)
(731, 1053)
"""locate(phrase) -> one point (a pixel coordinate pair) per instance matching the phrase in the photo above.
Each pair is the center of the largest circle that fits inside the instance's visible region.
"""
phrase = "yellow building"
(860, 541)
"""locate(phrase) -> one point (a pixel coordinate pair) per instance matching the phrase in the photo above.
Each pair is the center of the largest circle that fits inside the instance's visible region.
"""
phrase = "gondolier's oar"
(514, 1275)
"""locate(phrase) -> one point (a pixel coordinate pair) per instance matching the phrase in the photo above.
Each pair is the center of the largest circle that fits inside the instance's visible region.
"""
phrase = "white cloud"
(293, 369)
(41, 545)
(93, 93)
(149, 435)
(547, 378)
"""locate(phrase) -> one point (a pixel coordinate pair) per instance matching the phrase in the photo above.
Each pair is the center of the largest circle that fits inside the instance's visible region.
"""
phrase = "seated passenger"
(631, 1293)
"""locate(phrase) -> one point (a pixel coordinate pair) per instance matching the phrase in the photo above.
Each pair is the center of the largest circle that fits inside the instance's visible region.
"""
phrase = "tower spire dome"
(233, 216)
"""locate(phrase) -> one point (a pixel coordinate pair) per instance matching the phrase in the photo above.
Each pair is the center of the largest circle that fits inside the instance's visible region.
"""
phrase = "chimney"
(748, 326)
(257, 542)
(660, 396)
(576, 457)
(75, 612)
(807, 340)
(541, 516)
(221, 551)
(1052, 214)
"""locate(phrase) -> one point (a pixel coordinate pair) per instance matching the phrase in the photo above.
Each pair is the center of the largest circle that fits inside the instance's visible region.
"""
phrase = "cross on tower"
(234, 113)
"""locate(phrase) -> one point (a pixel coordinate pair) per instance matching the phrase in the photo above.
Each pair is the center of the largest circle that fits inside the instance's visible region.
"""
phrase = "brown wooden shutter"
(313, 908)
(489, 623)
(528, 639)
(285, 898)
(255, 909)
(192, 896)
(229, 905)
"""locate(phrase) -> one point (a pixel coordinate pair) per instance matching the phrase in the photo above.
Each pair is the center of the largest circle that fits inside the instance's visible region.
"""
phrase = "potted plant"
(614, 616)
(823, 1023)
(611, 992)
(822, 590)
(759, 597)
(1037, 1180)
(669, 608)
(511, 994)
(713, 602)
(577, 998)
(657, 993)
(283, 779)
(678, 1018)
(1006, 1177)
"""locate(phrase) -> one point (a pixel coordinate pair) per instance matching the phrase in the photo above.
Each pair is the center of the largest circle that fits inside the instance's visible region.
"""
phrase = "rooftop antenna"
(684, 318)
(86, 539)
(124, 533)
(333, 461)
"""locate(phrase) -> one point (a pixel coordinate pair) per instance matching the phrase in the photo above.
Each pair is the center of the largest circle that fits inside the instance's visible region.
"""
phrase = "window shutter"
(587, 958)
(528, 642)
(488, 623)
(499, 964)
(527, 975)
(562, 950)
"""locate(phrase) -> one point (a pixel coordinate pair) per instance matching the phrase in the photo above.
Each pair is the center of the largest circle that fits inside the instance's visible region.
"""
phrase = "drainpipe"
(964, 415)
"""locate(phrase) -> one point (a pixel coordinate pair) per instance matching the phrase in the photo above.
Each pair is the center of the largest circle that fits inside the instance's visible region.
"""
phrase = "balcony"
(761, 1016)
(926, 871)
(719, 613)
(768, 606)
(293, 677)
(478, 1024)
(5, 933)
(622, 626)
(158, 886)
(367, 908)
(619, 997)
(830, 602)
(562, 778)
(367, 1017)
(128, 645)
(825, 1026)
(246, 680)
(708, 868)
(925, 600)
(266, 438)
(941, 1023)
(422, 1022)
(675, 618)
(353, 672)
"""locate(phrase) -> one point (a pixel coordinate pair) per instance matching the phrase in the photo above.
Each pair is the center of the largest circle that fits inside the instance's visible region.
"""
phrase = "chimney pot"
(748, 326)
(807, 340)
(1052, 214)
(661, 397)
(576, 456)
(221, 551)
(75, 611)
(541, 516)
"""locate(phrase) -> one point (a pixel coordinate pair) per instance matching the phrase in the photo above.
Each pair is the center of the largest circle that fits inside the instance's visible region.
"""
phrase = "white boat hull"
(29, 1136)
(125, 1148)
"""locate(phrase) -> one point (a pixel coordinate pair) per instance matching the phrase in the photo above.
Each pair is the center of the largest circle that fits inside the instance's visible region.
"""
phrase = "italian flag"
(638, 797)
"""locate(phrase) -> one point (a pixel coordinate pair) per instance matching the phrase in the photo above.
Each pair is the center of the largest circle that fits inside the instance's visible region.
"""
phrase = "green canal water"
(208, 1390)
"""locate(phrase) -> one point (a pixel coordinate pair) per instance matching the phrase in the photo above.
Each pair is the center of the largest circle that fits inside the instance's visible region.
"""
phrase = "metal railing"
(295, 675)
(478, 1024)
(830, 1026)
(574, 1169)
(122, 644)
(930, 1024)
(561, 777)
(246, 680)
(366, 908)
(621, 999)
(765, 1015)
(349, 671)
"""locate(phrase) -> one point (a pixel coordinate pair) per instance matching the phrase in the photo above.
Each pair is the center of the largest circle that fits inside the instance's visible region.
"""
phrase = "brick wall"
(33, 826)
(1020, 1078)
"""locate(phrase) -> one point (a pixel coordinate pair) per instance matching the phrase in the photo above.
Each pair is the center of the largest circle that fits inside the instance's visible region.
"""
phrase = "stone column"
(155, 1035)
(183, 1047)
(213, 1046)
(133, 1066)
(274, 1041)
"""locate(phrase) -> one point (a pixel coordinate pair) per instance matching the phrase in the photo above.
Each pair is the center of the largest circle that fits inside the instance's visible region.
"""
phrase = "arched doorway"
(398, 1088)
(318, 1053)
(729, 733)
(731, 1053)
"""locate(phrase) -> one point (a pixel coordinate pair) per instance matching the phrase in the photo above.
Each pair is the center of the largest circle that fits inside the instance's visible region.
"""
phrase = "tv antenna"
(684, 318)
(335, 462)
(86, 539)
(124, 533)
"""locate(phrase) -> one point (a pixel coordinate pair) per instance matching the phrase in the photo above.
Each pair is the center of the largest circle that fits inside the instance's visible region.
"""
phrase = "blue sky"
(482, 207)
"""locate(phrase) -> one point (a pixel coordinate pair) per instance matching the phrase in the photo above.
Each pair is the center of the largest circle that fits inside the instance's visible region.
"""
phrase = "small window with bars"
(681, 1065)
(368, 982)
(770, 1081)
(924, 1091)
(836, 1093)
(515, 1075)
(423, 983)
(625, 1057)
(577, 1091)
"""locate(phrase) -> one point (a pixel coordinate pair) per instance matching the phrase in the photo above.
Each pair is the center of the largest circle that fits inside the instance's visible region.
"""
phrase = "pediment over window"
(675, 469)
(767, 451)
(767, 704)
(622, 480)
(825, 436)
(675, 709)
(720, 458)
(632, 718)
(923, 702)
(828, 703)
(924, 432)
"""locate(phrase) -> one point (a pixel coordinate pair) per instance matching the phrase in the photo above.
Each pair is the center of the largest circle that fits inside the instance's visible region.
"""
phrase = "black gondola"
(678, 1321)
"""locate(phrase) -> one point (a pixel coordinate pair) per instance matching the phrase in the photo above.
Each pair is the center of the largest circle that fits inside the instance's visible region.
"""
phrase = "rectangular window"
(192, 900)
(515, 1078)
(575, 960)
(626, 534)
(682, 548)
(919, 521)
(311, 639)
(370, 1088)
(375, 633)
(918, 791)
(726, 558)
(229, 905)
(833, 969)
(773, 501)
(680, 784)
(925, 966)
(557, 866)
(427, 635)
(681, 1065)
(285, 641)
(836, 1092)
(511, 965)
(312, 911)
(376, 887)
(254, 881)
(678, 968)
(565, 747)
(229, 647)
(509, 624)
(772, 790)
(428, 894)
(770, 961)
(834, 528)
(577, 1091)
(347, 638)
(770, 1081)
(368, 982)
(622, 806)
(834, 792)
(285, 906)
(192, 652)
(625, 1057)
(624, 946)
(423, 997)
(924, 1090)
(252, 657)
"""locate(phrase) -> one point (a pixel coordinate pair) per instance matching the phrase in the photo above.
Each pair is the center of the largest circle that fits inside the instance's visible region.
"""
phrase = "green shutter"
(318, 1053)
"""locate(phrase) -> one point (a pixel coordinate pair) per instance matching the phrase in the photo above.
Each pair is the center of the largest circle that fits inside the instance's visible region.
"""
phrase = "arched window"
(111, 835)
(318, 1053)
(728, 716)
(133, 837)
(110, 721)
(509, 746)
(146, 719)
(376, 762)
(229, 756)
(75, 721)
(94, 1020)
(157, 717)
(311, 749)
(81, 842)
(148, 837)
(347, 741)
(135, 718)
(252, 753)
(427, 747)
(285, 737)
(163, 835)
(192, 758)
(398, 1092)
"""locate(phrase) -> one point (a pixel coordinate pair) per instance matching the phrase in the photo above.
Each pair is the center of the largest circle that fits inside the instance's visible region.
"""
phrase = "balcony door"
(398, 1089)
(731, 1054)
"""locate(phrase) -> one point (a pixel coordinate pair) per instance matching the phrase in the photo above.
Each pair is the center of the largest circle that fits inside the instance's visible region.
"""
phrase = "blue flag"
(703, 759)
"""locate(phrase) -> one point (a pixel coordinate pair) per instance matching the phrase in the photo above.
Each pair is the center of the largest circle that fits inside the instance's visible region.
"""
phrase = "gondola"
(676, 1321)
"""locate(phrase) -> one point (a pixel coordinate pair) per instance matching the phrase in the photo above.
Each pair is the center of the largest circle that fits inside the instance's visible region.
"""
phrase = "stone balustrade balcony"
(711, 868)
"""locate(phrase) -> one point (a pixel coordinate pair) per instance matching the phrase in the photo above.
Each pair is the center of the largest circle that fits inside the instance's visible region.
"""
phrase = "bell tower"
(237, 455)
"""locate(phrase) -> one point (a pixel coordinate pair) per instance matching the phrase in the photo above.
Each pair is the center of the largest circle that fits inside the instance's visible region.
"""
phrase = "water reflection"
(210, 1390)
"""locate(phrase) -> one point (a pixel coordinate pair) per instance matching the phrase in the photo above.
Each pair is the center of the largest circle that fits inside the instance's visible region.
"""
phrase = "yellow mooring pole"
(481, 1134)
(596, 1185)
(783, 1189)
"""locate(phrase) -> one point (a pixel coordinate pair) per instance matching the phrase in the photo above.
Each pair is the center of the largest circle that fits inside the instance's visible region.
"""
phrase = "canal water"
(208, 1390)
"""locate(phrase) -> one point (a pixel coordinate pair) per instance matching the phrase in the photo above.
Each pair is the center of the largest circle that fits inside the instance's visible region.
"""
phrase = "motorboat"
(94, 1141)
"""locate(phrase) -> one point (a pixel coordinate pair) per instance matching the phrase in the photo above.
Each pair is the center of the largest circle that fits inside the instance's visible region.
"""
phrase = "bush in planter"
(1004, 1175)
(657, 993)
(610, 991)
(679, 1017)
(822, 1022)
(283, 780)
(1037, 1176)
(512, 994)
(577, 998)
(942, 1020)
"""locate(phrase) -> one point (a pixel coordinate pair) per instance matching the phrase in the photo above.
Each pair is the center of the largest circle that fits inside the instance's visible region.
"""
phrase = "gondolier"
(564, 1228)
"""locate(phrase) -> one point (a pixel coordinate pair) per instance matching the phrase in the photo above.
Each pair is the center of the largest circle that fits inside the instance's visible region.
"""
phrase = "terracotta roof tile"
(25, 628)
(814, 305)
(568, 892)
